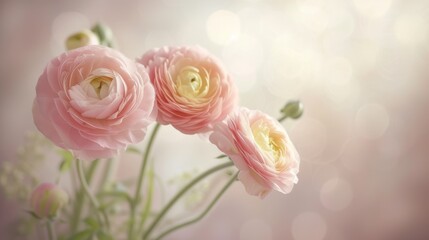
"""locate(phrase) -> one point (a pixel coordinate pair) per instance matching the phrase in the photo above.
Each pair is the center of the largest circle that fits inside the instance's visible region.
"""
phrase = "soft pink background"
(359, 66)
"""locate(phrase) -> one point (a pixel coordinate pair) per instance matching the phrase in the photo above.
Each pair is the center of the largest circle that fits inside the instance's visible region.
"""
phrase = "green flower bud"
(82, 38)
(104, 34)
(293, 109)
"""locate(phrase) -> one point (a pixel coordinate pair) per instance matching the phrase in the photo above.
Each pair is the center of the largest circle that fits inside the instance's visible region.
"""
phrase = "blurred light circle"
(341, 25)
(307, 128)
(337, 81)
(372, 8)
(336, 194)
(291, 63)
(255, 229)
(223, 27)
(244, 56)
(319, 18)
(68, 23)
(372, 121)
(411, 29)
(309, 226)
(364, 54)
(244, 82)
(338, 71)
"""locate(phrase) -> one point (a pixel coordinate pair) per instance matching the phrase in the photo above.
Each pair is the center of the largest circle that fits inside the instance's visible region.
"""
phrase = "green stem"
(108, 173)
(51, 231)
(201, 215)
(140, 179)
(78, 206)
(91, 197)
(282, 118)
(181, 192)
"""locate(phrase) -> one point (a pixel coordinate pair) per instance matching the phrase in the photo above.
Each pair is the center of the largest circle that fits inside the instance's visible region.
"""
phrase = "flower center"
(191, 84)
(269, 142)
(101, 86)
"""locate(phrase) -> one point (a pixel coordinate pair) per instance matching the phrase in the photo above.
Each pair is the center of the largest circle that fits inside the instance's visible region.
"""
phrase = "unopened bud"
(47, 200)
(83, 38)
(293, 109)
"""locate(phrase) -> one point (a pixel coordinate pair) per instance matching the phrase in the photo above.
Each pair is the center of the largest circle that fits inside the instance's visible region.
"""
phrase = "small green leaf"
(221, 156)
(92, 223)
(83, 235)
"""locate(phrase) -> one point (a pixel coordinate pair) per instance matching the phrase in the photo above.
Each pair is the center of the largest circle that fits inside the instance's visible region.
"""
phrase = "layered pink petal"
(94, 101)
(197, 112)
(265, 164)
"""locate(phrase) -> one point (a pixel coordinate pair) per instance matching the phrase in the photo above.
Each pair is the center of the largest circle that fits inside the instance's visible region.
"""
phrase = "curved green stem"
(51, 231)
(91, 197)
(80, 197)
(140, 179)
(181, 192)
(204, 213)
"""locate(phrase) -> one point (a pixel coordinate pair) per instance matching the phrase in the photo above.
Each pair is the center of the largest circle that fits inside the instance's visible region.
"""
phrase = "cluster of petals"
(193, 90)
(94, 101)
(261, 149)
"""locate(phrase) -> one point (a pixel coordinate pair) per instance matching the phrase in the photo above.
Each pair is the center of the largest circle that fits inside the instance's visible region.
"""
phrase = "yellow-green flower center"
(101, 86)
(191, 84)
(269, 142)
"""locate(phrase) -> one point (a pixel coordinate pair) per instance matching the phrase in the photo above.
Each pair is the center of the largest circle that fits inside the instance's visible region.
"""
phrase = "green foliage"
(67, 161)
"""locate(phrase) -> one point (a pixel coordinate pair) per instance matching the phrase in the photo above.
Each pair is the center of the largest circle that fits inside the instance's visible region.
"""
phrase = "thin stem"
(181, 192)
(282, 118)
(140, 179)
(78, 206)
(201, 215)
(108, 173)
(51, 231)
(91, 197)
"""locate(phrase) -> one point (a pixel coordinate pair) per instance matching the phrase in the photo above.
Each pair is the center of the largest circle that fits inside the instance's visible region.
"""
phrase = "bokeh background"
(360, 67)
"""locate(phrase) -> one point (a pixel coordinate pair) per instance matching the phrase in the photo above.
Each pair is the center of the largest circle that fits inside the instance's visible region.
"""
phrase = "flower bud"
(83, 38)
(293, 109)
(47, 200)
(104, 34)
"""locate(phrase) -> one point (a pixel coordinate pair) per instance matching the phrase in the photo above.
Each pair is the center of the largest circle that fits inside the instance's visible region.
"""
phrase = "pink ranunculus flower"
(261, 149)
(94, 101)
(193, 90)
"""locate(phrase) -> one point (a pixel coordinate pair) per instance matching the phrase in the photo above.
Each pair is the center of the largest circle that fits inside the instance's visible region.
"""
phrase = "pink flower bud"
(47, 199)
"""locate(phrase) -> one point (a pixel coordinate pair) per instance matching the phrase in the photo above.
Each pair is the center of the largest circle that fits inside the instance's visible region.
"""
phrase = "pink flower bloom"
(47, 199)
(193, 90)
(93, 101)
(261, 149)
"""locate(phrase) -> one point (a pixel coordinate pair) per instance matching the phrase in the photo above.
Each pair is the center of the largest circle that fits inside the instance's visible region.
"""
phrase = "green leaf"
(67, 160)
(83, 235)
(132, 149)
(221, 156)
(92, 223)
